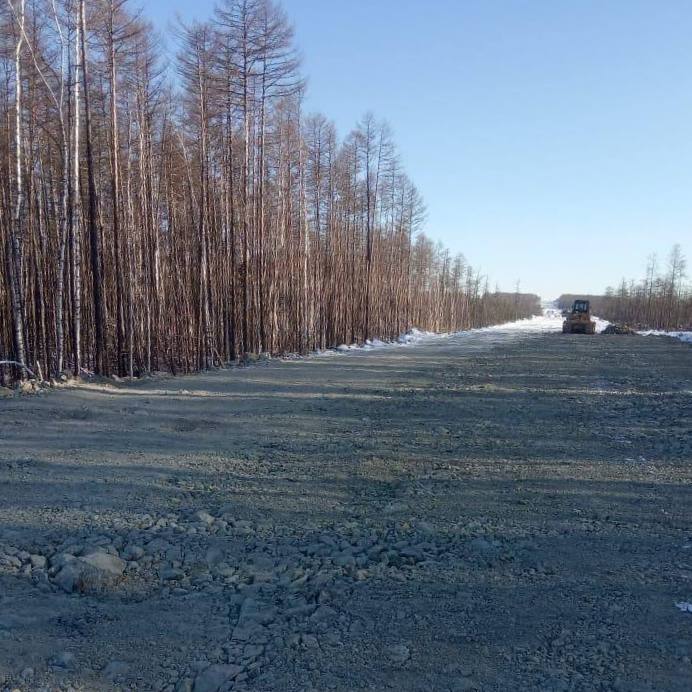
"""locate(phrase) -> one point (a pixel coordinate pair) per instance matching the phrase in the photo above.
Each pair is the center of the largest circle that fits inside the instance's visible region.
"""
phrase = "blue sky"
(551, 139)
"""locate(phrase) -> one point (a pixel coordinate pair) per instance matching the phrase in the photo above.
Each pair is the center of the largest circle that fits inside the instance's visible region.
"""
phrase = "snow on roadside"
(549, 321)
(685, 337)
(415, 336)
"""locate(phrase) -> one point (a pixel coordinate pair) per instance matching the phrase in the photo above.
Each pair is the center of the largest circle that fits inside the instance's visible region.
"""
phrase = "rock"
(309, 641)
(116, 669)
(485, 547)
(398, 653)
(332, 638)
(66, 660)
(243, 526)
(413, 554)
(253, 611)
(61, 559)
(212, 678)
(345, 559)
(426, 527)
(214, 556)
(133, 552)
(171, 574)
(395, 507)
(10, 561)
(224, 570)
(37, 561)
(105, 562)
(184, 685)
(68, 578)
(92, 573)
(253, 651)
(204, 518)
(5, 393)
(323, 613)
(158, 546)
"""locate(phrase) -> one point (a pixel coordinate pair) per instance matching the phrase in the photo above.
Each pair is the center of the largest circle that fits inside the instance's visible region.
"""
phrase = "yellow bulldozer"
(578, 319)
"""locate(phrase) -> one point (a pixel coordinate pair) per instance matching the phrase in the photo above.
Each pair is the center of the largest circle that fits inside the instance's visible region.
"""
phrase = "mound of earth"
(618, 329)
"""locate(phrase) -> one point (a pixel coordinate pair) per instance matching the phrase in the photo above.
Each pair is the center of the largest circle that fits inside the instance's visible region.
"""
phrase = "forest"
(660, 300)
(180, 214)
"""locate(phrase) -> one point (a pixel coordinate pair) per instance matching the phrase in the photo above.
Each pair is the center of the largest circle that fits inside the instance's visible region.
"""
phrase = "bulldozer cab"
(580, 307)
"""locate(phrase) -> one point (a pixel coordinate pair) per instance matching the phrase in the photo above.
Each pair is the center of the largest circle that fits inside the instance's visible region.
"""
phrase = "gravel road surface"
(493, 511)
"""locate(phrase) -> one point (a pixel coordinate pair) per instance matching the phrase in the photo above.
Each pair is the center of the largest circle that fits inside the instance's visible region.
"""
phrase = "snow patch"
(415, 336)
(549, 321)
(685, 337)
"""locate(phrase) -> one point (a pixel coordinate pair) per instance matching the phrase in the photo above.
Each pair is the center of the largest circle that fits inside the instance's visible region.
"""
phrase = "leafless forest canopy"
(661, 300)
(177, 217)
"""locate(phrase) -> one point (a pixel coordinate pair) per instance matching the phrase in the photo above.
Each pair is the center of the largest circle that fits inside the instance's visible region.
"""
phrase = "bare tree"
(151, 224)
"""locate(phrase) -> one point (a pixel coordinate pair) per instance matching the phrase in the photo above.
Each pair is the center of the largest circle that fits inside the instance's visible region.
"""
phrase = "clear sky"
(551, 139)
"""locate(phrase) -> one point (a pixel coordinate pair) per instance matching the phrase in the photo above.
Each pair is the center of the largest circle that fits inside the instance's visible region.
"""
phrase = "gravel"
(489, 512)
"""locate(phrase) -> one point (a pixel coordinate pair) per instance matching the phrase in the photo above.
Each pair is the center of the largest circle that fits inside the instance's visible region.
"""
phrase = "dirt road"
(499, 511)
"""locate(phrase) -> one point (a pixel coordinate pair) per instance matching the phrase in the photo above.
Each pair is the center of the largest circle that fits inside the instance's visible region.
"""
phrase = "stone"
(68, 578)
(66, 659)
(253, 651)
(214, 556)
(253, 611)
(37, 561)
(133, 552)
(395, 507)
(398, 653)
(323, 613)
(11, 561)
(204, 518)
(426, 527)
(92, 573)
(105, 562)
(413, 554)
(309, 641)
(171, 574)
(214, 677)
(485, 547)
(116, 669)
(61, 559)
(345, 559)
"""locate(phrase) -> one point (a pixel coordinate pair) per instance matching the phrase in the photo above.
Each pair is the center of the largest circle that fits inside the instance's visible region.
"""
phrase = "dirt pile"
(618, 329)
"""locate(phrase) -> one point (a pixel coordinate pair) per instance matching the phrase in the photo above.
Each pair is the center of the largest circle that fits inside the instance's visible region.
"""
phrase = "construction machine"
(578, 320)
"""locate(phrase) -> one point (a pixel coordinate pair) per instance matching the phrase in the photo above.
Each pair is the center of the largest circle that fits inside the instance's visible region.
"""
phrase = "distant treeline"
(149, 223)
(661, 300)
(515, 306)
